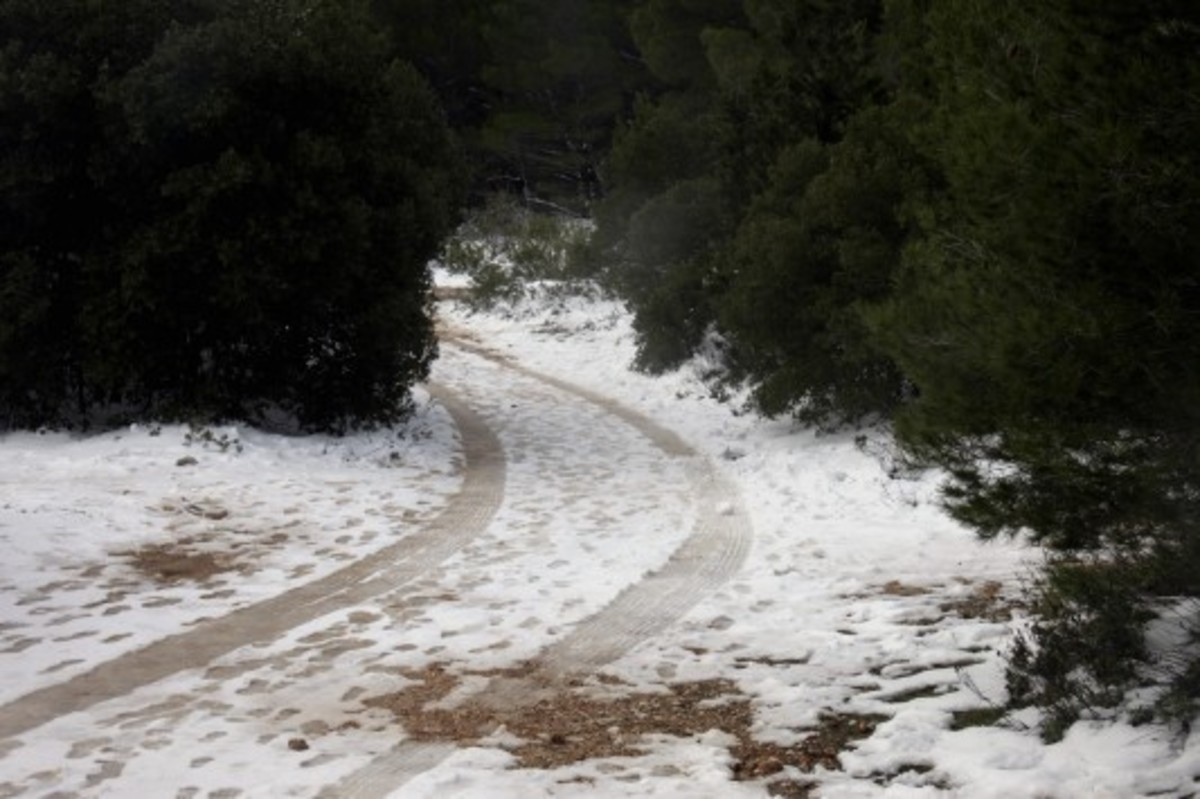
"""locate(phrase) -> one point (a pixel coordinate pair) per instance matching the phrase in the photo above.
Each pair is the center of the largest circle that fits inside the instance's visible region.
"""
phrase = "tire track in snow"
(713, 552)
(465, 516)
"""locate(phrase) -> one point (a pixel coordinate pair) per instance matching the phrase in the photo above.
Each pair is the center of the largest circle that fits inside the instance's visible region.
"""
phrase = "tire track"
(713, 552)
(466, 515)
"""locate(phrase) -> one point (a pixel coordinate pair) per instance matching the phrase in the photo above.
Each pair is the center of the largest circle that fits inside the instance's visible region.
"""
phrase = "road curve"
(713, 552)
(465, 516)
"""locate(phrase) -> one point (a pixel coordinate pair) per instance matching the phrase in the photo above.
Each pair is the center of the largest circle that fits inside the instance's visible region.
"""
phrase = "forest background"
(973, 220)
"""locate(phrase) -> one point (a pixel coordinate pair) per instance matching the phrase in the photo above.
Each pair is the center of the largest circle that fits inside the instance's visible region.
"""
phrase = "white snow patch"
(854, 597)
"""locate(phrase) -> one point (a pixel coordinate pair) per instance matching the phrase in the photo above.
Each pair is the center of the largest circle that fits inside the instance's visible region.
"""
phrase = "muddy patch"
(166, 563)
(600, 718)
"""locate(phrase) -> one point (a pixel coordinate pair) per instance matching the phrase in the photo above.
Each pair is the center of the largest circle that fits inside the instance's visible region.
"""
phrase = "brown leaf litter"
(583, 720)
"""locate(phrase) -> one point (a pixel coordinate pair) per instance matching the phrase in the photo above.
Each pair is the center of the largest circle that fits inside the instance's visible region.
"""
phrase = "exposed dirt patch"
(168, 563)
(595, 719)
(897, 588)
(977, 717)
(190, 557)
(986, 601)
(791, 789)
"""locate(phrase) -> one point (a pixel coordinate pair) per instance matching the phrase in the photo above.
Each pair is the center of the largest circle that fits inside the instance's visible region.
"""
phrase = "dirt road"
(581, 530)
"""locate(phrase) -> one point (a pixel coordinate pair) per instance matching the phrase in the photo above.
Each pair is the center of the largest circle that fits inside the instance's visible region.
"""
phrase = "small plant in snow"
(503, 247)
(204, 437)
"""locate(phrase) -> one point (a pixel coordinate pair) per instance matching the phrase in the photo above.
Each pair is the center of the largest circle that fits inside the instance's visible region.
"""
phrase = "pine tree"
(821, 242)
(444, 40)
(560, 75)
(665, 213)
(1048, 312)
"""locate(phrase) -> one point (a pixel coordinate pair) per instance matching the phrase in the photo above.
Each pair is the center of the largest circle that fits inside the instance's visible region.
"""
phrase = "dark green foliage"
(1041, 324)
(533, 89)
(51, 54)
(1049, 314)
(669, 251)
(667, 141)
(559, 75)
(1082, 649)
(763, 96)
(670, 34)
(814, 71)
(820, 241)
(260, 189)
(444, 40)
(666, 210)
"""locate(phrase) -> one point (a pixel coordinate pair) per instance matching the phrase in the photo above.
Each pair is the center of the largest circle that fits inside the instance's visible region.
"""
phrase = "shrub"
(261, 188)
(503, 246)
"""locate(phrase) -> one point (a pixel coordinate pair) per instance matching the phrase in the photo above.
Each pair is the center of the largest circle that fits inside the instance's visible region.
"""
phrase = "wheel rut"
(713, 552)
(465, 516)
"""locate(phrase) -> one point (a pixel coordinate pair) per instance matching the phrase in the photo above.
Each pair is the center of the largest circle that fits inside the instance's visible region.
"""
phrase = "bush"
(502, 246)
(51, 213)
(264, 188)
(1046, 312)
(667, 268)
(1080, 654)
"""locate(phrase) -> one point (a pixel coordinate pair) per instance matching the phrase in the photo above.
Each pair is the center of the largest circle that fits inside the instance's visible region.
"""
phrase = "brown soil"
(986, 601)
(897, 588)
(169, 563)
(596, 719)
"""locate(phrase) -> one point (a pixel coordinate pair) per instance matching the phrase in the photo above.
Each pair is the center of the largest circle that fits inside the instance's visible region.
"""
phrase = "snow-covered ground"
(598, 521)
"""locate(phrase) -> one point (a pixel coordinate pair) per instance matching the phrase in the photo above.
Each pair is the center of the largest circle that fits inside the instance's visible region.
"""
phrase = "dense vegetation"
(976, 220)
(214, 208)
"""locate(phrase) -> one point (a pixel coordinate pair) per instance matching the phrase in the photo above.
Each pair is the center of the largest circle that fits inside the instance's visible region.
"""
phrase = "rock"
(186, 460)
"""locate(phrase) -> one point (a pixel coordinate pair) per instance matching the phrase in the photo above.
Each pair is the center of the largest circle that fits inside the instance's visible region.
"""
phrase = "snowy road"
(560, 580)
(579, 530)
(709, 556)
(397, 564)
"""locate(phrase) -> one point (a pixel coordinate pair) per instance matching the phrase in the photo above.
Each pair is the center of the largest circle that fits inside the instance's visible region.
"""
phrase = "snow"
(73, 509)
(856, 594)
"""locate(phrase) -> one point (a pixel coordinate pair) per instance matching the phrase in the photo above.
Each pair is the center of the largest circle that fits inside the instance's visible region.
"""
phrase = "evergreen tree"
(560, 75)
(1048, 315)
(819, 243)
(444, 40)
(665, 213)
(260, 189)
(817, 158)
(51, 56)
(756, 241)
